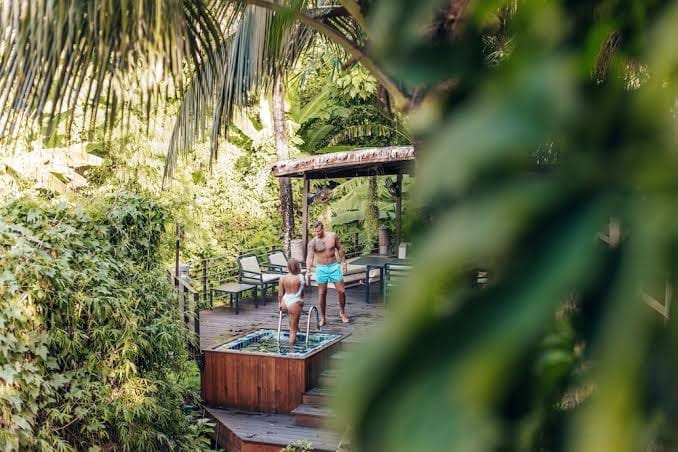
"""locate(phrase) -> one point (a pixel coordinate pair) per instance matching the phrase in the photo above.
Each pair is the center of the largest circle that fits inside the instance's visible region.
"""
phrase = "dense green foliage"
(338, 108)
(559, 350)
(352, 203)
(92, 352)
(230, 208)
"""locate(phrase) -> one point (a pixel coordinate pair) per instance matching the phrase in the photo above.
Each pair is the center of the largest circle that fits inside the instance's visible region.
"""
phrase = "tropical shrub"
(299, 445)
(340, 108)
(349, 208)
(92, 352)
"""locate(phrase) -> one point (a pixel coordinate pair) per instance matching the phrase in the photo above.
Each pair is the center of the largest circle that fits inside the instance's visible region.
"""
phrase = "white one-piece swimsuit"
(291, 298)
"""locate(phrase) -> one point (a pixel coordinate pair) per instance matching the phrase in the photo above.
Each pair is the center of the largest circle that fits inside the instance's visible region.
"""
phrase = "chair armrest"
(272, 268)
(244, 274)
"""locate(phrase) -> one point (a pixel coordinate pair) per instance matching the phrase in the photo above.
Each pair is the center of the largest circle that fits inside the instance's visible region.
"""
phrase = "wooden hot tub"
(252, 373)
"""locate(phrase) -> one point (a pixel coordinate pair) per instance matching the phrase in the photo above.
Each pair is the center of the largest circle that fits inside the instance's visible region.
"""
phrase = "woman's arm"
(281, 292)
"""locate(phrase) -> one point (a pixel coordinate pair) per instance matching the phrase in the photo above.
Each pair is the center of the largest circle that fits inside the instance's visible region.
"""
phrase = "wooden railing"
(189, 304)
(213, 271)
(193, 293)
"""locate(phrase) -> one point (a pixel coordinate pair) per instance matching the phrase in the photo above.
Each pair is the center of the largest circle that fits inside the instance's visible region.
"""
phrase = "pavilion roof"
(361, 162)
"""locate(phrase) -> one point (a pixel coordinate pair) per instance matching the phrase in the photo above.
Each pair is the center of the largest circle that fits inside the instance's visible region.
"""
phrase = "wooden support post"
(182, 307)
(190, 312)
(183, 304)
(204, 279)
(177, 246)
(399, 207)
(304, 213)
(196, 317)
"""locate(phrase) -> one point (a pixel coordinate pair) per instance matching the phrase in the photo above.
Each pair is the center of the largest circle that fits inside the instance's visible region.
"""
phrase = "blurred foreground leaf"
(558, 351)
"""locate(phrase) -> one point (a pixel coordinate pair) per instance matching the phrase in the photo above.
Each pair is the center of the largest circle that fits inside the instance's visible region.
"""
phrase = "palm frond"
(56, 54)
(368, 130)
(199, 100)
(264, 44)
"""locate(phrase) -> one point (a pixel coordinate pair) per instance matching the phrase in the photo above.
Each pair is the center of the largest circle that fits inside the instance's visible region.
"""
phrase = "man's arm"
(340, 252)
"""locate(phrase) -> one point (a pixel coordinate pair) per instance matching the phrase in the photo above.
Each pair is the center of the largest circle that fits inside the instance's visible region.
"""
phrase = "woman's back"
(291, 296)
(291, 283)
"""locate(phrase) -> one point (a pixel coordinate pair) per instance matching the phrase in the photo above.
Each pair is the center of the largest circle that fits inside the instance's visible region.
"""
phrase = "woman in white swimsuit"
(291, 296)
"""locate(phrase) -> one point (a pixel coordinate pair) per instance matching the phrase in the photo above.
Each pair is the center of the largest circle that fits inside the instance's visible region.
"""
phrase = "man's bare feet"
(322, 321)
(344, 317)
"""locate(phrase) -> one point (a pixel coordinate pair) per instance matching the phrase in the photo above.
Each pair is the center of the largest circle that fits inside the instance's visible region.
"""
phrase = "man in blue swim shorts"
(324, 249)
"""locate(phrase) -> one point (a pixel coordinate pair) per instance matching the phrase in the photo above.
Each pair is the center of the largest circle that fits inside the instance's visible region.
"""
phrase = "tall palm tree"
(59, 54)
(56, 55)
(283, 153)
(89, 53)
(261, 47)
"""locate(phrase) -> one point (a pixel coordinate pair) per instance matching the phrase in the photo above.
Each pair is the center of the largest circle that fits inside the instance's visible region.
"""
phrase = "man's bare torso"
(325, 248)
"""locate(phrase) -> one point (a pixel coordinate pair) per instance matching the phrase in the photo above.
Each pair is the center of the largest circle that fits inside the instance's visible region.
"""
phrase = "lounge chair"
(277, 262)
(251, 273)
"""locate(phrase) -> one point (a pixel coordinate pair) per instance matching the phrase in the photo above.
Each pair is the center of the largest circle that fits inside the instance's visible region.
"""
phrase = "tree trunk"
(283, 153)
(371, 224)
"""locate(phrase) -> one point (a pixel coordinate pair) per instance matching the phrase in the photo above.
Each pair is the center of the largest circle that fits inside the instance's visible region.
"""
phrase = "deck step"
(311, 415)
(327, 378)
(339, 356)
(239, 430)
(316, 396)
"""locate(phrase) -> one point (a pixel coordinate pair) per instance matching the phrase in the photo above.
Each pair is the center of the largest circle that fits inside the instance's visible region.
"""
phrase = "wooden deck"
(221, 324)
(240, 431)
(243, 431)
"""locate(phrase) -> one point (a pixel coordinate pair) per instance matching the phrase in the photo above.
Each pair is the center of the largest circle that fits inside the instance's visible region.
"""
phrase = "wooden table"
(380, 262)
(233, 289)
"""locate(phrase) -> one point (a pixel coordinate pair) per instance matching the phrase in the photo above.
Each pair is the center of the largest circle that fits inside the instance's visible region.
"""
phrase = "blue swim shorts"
(328, 273)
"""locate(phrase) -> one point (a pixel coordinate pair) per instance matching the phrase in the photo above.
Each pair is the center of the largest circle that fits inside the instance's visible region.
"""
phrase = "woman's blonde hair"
(294, 266)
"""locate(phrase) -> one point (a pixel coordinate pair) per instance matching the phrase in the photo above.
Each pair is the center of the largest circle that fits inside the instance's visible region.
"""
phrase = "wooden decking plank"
(230, 383)
(268, 383)
(281, 388)
(313, 410)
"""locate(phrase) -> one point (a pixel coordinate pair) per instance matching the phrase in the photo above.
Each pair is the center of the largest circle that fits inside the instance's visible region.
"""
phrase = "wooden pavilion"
(383, 161)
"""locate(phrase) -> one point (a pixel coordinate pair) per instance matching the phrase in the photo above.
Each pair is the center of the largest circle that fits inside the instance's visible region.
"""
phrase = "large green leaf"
(314, 108)
(350, 216)
(61, 54)
(315, 135)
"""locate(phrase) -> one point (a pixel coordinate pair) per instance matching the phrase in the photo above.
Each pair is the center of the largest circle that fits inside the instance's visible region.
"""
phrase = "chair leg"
(367, 285)
(381, 280)
(256, 297)
(237, 303)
